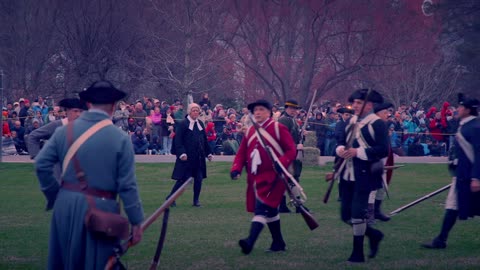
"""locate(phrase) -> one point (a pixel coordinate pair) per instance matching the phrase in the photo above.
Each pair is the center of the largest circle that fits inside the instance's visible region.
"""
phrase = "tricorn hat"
(260, 102)
(382, 106)
(469, 103)
(345, 110)
(73, 103)
(361, 94)
(102, 92)
(292, 103)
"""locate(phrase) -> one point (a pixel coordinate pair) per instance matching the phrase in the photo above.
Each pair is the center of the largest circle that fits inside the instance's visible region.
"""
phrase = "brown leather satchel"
(99, 222)
(104, 223)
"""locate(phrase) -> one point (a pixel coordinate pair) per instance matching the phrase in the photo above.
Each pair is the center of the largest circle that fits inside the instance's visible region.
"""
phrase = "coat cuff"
(361, 154)
(134, 213)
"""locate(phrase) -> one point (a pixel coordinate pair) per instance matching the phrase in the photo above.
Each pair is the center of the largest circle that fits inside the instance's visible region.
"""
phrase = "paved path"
(169, 159)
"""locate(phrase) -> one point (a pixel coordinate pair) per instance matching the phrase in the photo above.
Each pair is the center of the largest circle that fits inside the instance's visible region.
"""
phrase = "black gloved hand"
(51, 196)
(234, 175)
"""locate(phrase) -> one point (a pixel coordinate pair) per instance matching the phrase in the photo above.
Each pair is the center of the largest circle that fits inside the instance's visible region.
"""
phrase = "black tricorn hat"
(73, 103)
(102, 92)
(345, 110)
(382, 106)
(292, 103)
(260, 102)
(469, 103)
(361, 94)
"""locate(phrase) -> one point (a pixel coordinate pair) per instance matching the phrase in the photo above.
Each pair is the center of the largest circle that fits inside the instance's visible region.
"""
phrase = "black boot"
(197, 187)
(374, 237)
(440, 241)
(283, 208)
(378, 212)
(370, 214)
(357, 253)
(278, 244)
(248, 243)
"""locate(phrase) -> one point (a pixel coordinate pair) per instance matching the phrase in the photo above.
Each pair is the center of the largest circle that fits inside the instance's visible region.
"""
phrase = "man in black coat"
(362, 171)
(191, 148)
(463, 200)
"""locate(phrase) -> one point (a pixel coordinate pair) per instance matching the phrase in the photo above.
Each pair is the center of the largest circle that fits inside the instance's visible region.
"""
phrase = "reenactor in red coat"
(264, 188)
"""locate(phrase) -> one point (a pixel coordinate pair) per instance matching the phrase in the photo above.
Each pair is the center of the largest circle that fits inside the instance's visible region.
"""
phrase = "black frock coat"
(194, 144)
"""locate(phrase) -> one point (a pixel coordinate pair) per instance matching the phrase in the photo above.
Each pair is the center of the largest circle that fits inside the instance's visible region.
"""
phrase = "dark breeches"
(354, 204)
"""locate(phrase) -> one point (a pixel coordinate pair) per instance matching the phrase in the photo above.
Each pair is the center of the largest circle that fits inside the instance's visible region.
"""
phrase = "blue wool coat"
(468, 202)
(108, 161)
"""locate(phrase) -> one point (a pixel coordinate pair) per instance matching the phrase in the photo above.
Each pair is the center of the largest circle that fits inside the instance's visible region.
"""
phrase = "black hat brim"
(361, 94)
(72, 103)
(262, 103)
(345, 110)
(383, 106)
(291, 103)
(102, 93)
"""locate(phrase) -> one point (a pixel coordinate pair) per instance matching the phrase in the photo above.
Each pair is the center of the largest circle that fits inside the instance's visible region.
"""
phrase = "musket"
(122, 248)
(294, 190)
(417, 201)
(161, 240)
(341, 162)
(309, 109)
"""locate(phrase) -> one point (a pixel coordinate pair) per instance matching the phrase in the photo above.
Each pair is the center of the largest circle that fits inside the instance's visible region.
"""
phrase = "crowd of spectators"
(151, 125)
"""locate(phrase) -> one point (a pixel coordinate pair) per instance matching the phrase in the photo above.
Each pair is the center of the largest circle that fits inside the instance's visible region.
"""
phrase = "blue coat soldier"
(107, 160)
(191, 147)
(363, 169)
(73, 107)
(463, 200)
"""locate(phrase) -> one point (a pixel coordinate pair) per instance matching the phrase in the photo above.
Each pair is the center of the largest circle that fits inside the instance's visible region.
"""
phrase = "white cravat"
(192, 123)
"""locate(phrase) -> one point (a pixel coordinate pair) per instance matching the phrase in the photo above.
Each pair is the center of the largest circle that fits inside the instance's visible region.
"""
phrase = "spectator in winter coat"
(19, 129)
(205, 101)
(120, 117)
(139, 141)
(415, 149)
(5, 128)
(211, 136)
(437, 127)
(395, 142)
(167, 131)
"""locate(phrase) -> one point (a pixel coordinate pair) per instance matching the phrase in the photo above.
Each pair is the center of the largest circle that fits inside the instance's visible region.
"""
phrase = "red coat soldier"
(264, 189)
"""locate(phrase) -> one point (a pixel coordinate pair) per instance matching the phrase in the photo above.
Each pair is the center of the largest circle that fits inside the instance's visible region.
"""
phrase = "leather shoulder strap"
(82, 139)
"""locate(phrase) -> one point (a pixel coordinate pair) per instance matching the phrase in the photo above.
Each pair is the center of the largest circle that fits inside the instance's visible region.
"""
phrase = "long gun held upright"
(294, 190)
(114, 260)
(341, 162)
(305, 124)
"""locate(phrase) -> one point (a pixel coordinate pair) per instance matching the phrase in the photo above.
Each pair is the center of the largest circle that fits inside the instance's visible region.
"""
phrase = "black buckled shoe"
(196, 204)
(435, 244)
(276, 247)
(246, 247)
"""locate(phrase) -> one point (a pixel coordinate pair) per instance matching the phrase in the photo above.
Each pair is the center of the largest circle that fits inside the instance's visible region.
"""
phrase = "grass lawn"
(206, 238)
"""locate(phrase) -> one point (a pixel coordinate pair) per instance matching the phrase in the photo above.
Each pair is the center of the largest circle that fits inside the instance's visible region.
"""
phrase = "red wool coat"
(264, 185)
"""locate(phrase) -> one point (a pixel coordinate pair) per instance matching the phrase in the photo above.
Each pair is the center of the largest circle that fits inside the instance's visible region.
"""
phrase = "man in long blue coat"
(463, 200)
(360, 176)
(107, 160)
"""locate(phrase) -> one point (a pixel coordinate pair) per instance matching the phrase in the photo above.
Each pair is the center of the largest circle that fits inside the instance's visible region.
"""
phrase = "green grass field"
(206, 238)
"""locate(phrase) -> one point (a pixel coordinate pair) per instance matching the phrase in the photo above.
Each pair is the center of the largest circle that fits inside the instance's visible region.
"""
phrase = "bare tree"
(293, 47)
(95, 35)
(181, 52)
(27, 45)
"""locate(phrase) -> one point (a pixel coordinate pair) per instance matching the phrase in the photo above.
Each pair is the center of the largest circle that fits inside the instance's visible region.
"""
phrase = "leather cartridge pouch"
(104, 223)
